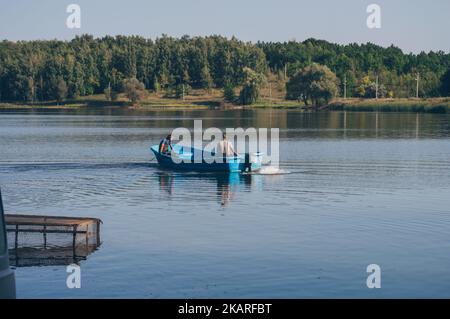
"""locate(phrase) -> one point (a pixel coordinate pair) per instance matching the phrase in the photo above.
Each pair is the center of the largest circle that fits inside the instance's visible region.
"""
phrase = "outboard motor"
(247, 163)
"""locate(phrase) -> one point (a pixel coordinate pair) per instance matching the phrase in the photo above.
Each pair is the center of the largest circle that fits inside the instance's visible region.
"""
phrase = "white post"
(270, 91)
(376, 88)
(345, 86)
(417, 85)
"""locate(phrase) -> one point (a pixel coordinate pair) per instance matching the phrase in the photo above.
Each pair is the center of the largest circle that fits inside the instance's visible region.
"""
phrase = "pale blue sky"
(413, 25)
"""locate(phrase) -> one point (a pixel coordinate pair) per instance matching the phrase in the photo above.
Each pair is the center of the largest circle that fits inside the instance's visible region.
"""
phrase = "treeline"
(48, 70)
(357, 67)
(53, 70)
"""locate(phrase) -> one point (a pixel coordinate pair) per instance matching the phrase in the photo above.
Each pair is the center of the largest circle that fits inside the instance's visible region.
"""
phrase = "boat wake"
(271, 170)
(25, 166)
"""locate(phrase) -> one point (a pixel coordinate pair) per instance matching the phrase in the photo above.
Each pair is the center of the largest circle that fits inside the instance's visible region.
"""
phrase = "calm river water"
(362, 188)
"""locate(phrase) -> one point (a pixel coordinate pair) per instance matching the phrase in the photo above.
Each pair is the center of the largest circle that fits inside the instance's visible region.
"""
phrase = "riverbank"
(432, 105)
(198, 99)
(213, 99)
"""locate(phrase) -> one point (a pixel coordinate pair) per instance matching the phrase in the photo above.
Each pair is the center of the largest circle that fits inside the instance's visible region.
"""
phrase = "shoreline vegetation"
(214, 100)
(217, 72)
(413, 105)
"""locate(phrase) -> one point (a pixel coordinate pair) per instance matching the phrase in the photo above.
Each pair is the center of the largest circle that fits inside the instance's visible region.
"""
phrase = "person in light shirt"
(226, 148)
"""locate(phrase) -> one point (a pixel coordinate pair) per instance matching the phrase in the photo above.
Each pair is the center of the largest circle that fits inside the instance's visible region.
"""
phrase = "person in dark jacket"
(165, 146)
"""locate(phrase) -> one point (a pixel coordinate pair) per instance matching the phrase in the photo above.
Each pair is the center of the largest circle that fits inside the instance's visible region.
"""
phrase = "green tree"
(445, 84)
(251, 87)
(134, 90)
(181, 90)
(61, 90)
(111, 94)
(315, 83)
(108, 93)
(228, 93)
(206, 79)
(156, 85)
(368, 89)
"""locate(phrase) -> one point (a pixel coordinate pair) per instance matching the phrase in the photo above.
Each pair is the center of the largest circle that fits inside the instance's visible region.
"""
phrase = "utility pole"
(183, 91)
(270, 91)
(285, 71)
(376, 88)
(417, 85)
(345, 86)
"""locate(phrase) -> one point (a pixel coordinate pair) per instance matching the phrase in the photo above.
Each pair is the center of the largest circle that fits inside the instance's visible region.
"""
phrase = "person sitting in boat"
(165, 146)
(226, 148)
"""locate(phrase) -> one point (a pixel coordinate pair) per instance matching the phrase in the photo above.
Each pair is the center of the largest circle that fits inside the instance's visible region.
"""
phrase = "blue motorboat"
(191, 159)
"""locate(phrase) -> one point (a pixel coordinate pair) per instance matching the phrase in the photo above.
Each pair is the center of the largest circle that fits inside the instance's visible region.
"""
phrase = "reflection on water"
(227, 184)
(362, 188)
(52, 256)
(113, 125)
(165, 180)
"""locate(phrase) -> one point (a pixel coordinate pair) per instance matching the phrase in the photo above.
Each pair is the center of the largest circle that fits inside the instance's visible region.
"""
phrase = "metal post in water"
(74, 241)
(45, 235)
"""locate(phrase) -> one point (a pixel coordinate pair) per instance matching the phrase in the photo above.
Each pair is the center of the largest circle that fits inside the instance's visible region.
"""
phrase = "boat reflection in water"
(224, 185)
(228, 185)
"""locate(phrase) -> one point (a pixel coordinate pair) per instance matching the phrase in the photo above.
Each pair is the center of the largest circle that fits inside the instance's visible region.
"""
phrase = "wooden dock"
(36, 238)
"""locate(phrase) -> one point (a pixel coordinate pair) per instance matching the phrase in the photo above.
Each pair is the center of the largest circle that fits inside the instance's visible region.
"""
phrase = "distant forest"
(43, 70)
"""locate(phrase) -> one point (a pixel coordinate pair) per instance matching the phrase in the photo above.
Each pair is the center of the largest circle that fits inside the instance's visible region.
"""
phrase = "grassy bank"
(197, 99)
(98, 101)
(200, 99)
(434, 105)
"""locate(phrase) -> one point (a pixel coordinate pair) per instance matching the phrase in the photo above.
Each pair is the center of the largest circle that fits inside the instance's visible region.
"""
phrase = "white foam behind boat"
(272, 170)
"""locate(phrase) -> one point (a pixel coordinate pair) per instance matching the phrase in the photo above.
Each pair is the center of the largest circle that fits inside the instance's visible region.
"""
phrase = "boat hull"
(185, 161)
